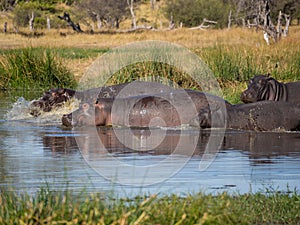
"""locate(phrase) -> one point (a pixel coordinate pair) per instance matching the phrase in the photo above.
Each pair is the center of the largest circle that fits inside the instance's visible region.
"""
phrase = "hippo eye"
(96, 102)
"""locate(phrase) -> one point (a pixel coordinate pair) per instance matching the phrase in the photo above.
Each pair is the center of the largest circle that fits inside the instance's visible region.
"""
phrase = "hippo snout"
(247, 97)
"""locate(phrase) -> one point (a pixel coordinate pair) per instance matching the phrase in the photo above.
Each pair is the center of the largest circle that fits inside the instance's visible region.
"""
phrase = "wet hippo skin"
(57, 97)
(258, 116)
(264, 87)
(51, 99)
(165, 109)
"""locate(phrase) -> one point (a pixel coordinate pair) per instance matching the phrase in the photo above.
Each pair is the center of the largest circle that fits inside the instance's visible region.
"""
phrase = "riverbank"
(234, 56)
(52, 207)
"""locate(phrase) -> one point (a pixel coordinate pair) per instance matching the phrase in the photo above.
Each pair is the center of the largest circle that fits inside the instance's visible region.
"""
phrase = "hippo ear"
(262, 81)
(268, 75)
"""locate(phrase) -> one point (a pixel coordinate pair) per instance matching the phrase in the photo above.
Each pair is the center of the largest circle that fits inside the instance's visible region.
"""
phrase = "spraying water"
(20, 112)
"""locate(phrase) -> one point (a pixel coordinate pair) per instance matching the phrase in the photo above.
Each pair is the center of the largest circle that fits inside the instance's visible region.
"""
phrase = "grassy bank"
(234, 56)
(49, 207)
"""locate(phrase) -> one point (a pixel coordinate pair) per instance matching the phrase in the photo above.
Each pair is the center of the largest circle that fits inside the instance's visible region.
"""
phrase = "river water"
(39, 152)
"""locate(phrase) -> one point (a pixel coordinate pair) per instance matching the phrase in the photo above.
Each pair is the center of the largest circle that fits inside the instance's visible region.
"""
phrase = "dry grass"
(188, 38)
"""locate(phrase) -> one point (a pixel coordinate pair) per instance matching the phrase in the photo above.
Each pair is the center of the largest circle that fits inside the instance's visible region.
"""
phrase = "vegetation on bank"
(32, 69)
(233, 65)
(64, 207)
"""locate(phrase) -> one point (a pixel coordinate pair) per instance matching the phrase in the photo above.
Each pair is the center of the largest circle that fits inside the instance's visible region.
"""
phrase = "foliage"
(23, 12)
(111, 12)
(33, 69)
(245, 10)
(290, 7)
(192, 12)
(64, 207)
(7, 4)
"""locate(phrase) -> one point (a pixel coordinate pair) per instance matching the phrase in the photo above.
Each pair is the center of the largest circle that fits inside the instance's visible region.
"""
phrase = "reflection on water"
(146, 161)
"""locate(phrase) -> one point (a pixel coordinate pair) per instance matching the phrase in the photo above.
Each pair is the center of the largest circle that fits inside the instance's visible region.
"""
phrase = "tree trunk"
(117, 23)
(31, 22)
(171, 23)
(5, 27)
(130, 4)
(48, 24)
(99, 22)
(229, 20)
(287, 24)
(279, 27)
(66, 17)
(152, 2)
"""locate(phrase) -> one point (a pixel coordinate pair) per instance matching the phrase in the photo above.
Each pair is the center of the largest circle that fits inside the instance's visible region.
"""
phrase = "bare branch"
(202, 26)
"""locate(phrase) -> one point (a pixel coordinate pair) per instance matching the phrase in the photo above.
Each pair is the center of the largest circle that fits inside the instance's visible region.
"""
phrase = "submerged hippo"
(264, 87)
(160, 110)
(57, 97)
(258, 116)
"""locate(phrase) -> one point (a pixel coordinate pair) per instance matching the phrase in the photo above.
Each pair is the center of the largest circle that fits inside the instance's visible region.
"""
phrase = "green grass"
(62, 52)
(33, 68)
(63, 207)
(232, 65)
(154, 71)
(78, 53)
(239, 64)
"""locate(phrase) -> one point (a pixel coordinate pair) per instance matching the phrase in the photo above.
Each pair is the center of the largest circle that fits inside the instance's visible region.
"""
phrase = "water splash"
(20, 112)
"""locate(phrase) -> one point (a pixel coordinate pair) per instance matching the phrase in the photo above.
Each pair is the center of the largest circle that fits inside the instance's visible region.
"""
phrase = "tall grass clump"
(237, 63)
(155, 71)
(33, 68)
(234, 65)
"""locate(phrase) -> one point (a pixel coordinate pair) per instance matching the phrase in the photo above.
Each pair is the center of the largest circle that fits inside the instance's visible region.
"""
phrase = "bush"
(191, 13)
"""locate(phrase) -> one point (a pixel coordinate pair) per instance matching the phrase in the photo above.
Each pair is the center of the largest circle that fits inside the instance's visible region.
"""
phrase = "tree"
(289, 7)
(7, 4)
(112, 12)
(192, 12)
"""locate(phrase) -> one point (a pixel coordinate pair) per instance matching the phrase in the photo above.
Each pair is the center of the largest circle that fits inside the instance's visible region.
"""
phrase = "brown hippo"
(51, 99)
(159, 110)
(264, 87)
(57, 97)
(258, 116)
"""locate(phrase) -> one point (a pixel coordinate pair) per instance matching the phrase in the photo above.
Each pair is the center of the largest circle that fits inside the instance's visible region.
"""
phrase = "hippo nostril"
(85, 106)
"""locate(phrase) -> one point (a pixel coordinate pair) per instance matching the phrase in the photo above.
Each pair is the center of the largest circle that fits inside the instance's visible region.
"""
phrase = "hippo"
(51, 99)
(57, 97)
(264, 87)
(257, 116)
(168, 109)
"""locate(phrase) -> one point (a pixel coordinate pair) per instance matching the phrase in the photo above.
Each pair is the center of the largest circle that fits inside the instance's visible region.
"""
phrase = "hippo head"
(256, 89)
(84, 116)
(88, 114)
(50, 100)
